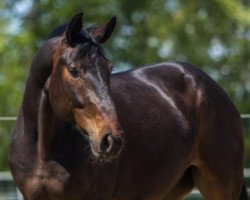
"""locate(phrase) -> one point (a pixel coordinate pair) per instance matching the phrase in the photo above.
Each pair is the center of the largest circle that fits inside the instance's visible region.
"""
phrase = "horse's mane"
(58, 31)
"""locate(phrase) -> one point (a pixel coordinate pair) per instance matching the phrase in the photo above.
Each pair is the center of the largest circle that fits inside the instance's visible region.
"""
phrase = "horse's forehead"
(79, 55)
(85, 52)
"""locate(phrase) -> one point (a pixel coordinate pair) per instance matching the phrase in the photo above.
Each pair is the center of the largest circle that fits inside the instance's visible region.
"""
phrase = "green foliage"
(214, 35)
(5, 136)
(246, 125)
(247, 150)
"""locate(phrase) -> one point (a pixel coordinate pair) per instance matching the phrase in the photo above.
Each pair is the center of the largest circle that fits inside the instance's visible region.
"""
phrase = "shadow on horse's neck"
(57, 139)
(46, 123)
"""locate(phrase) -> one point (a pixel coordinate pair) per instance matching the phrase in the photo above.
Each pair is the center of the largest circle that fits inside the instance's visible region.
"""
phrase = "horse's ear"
(102, 33)
(74, 28)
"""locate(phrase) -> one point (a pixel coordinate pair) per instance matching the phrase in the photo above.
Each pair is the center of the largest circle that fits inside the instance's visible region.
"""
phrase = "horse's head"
(78, 86)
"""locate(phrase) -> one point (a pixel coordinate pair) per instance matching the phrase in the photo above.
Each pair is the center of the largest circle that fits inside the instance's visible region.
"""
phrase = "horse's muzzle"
(110, 146)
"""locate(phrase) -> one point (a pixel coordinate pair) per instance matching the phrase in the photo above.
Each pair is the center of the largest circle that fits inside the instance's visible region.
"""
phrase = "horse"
(151, 133)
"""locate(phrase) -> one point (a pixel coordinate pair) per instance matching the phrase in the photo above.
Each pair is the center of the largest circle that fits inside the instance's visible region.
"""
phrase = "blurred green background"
(211, 34)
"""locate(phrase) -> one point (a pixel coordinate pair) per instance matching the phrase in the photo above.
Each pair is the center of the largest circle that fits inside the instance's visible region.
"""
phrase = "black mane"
(58, 31)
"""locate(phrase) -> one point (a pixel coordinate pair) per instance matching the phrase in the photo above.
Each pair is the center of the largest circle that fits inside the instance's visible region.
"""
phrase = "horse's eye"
(73, 72)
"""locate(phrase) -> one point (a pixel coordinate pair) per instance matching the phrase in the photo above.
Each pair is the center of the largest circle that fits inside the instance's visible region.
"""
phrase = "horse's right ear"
(74, 28)
(102, 33)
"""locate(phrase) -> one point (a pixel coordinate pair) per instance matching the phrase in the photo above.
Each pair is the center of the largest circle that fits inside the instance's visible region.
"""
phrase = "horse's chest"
(47, 182)
(53, 182)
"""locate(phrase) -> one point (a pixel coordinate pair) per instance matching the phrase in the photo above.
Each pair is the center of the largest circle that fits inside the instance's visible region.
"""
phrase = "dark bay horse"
(152, 133)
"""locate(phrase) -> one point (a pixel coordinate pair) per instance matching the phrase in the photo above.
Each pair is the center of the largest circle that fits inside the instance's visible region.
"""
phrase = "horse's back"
(174, 111)
(180, 92)
(185, 91)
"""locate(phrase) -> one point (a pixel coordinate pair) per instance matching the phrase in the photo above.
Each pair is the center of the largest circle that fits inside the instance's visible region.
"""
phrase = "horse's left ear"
(102, 33)
(74, 28)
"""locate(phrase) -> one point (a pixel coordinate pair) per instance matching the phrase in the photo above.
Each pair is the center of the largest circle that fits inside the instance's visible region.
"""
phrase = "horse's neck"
(46, 127)
(39, 72)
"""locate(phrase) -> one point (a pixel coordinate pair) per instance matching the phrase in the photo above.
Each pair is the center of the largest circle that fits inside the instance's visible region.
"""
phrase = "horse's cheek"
(60, 103)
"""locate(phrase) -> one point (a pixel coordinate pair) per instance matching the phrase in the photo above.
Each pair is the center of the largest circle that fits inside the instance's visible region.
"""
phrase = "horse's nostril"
(118, 141)
(106, 143)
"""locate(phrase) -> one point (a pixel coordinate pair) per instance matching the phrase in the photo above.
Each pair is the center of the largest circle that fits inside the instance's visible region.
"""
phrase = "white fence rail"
(8, 118)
